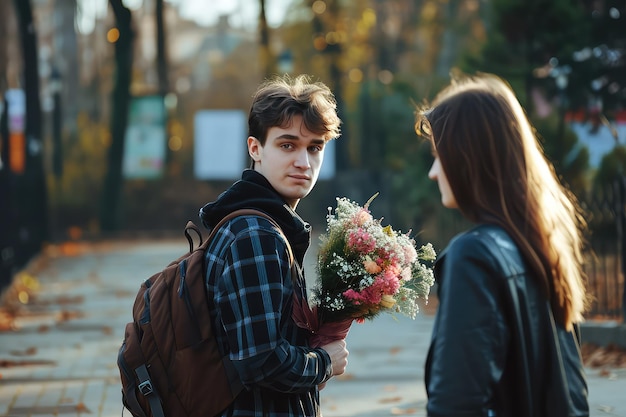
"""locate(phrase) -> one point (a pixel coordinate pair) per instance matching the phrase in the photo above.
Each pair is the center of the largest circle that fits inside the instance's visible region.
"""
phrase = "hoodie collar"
(253, 190)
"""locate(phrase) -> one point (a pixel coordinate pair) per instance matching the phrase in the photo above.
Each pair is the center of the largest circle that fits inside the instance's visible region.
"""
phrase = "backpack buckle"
(146, 388)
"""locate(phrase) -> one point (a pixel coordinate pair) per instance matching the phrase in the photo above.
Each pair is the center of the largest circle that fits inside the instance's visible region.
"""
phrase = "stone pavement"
(61, 358)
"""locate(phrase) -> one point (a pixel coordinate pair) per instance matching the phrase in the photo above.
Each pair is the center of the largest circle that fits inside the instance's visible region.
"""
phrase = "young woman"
(505, 339)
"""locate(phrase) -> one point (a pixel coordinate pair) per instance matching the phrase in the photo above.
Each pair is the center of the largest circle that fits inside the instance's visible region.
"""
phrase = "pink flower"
(372, 295)
(362, 216)
(356, 297)
(383, 256)
(388, 282)
(385, 284)
(361, 242)
(391, 268)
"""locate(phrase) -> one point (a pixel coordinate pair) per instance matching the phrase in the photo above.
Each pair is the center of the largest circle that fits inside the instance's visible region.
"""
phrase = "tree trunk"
(110, 208)
(161, 50)
(264, 43)
(449, 50)
(162, 70)
(33, 196)
(66, 62)
(334, 52)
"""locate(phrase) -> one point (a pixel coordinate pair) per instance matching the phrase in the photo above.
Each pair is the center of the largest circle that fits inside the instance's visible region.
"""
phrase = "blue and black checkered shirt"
(250, 283)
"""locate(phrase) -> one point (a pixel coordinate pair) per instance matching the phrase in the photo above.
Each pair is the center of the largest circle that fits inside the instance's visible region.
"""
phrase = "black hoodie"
(255, 191)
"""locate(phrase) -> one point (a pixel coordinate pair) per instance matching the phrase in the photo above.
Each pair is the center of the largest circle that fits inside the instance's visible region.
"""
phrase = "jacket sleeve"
(467, 353)
(252, 295)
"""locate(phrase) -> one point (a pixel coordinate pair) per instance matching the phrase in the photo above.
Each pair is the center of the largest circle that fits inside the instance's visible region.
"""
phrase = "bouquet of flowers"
(364, 268)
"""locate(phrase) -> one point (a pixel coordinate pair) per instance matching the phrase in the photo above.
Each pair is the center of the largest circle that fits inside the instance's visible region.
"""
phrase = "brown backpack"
(169, 362)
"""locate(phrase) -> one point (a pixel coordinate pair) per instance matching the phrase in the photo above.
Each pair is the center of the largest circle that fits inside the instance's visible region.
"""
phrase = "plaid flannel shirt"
(249, 279)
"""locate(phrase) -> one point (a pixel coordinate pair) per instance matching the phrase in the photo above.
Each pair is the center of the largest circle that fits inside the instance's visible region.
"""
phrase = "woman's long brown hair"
(498, 174)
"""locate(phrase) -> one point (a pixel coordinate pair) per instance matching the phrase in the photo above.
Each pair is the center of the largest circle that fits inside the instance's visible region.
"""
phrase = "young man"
(248, 265)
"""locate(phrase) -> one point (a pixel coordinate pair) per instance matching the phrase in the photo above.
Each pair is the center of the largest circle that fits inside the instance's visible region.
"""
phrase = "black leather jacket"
(495, 348)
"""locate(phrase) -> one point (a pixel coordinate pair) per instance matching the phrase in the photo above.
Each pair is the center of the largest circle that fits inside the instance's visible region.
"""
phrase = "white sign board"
(16, 100)
(220, 144)
(145, 140)
(327, 171)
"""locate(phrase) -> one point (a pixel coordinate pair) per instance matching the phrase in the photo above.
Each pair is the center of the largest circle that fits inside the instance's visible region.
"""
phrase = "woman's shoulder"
(487, 242)
(469, 261)
(477, 242)
(475, 239)
(483, 233)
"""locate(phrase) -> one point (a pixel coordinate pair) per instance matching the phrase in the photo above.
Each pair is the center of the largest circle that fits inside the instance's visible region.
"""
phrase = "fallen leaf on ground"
(403, 411)
(395, 350)
(80, 407)
(7, 321)
(605, 408)
(11, 364)
(596, 356)
(69, 315)
(64, 299)
(27, 352)
(390, 400)
(604, 372)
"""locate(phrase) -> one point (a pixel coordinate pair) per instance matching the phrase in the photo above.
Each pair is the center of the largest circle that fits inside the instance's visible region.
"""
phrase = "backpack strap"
(191, 226)
(148, 391)
(237, 213)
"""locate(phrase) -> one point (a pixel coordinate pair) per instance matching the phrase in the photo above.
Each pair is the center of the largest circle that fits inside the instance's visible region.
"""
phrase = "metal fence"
(605, 260)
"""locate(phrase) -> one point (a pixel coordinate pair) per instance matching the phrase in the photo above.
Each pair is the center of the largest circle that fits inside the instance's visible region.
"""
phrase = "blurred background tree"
(29, 193)
(524, 39)
(121, 35)
(380, 57)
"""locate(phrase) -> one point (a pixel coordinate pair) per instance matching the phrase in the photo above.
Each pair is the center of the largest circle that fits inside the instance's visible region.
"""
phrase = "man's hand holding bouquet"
(364, 268)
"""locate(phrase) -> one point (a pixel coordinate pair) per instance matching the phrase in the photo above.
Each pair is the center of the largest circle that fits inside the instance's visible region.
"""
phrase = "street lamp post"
(55, 87)
(7, 219)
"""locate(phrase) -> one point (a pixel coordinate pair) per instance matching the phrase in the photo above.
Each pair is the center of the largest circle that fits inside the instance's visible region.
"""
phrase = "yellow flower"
(387, 301)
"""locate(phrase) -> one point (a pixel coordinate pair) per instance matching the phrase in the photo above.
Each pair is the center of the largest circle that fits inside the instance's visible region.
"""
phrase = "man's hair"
(278, 100)
(499, 174)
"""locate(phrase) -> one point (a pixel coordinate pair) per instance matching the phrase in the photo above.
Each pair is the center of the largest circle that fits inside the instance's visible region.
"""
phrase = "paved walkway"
(61, 359)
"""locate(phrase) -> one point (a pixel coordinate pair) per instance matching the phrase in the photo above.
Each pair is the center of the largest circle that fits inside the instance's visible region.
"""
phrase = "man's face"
(290, 160)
